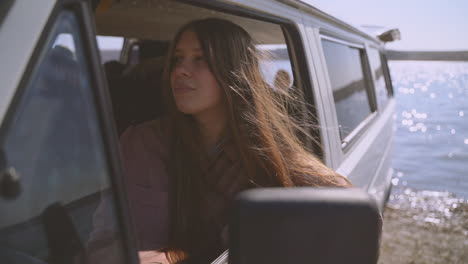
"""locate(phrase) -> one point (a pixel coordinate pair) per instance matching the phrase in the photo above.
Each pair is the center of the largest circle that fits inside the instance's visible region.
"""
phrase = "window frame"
(357, 132)
(387, 75)
(119, 59)
(101, 100)
(296, 51)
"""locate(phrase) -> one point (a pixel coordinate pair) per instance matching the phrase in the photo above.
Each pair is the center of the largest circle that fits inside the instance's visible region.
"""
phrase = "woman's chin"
(198, 108)
(187, 109)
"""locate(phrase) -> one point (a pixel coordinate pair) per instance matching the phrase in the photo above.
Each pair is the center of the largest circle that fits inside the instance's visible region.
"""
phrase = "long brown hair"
(265, 137)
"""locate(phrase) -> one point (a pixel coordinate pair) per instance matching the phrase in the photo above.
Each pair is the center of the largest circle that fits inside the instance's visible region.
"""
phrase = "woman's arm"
(146, 183)
(143, 154)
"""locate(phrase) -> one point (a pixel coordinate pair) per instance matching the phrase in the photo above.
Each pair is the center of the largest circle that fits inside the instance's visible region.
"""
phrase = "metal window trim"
(302, 79)
(387, 75)
(323, 93)
(324, 36)
(357, 132)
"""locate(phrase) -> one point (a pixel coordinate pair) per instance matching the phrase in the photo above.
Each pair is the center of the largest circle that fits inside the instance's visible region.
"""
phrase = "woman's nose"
(183, 69)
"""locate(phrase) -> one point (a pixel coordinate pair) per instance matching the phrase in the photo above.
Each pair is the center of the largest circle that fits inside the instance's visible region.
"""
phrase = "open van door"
(58, 145)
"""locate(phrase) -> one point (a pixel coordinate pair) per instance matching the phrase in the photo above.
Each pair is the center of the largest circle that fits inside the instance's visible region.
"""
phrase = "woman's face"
(194, 86)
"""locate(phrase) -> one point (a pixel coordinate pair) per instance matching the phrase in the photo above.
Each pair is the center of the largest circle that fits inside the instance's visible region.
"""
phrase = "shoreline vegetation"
(424, 227)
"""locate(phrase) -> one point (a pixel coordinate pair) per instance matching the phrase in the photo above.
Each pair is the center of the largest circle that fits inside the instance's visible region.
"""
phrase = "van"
(64, 100)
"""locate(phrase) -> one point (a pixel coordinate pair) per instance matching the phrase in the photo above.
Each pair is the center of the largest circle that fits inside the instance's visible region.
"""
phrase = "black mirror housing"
(304, 225)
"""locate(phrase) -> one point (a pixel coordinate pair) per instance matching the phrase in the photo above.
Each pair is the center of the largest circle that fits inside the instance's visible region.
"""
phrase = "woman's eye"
(176, 60)
(199, 59)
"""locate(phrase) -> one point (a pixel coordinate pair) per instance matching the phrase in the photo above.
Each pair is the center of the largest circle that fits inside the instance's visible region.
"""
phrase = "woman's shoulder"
(149, 134)
(157, 127)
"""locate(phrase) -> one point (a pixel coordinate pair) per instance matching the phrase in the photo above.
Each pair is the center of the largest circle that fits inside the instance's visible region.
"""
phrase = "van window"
(276, 65)
(148, 38)
(53, 143)
(381, 90)
(347, 78)
(110, 48)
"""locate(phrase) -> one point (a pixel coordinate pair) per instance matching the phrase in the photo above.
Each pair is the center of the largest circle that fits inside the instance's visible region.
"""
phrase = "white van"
(61, 111)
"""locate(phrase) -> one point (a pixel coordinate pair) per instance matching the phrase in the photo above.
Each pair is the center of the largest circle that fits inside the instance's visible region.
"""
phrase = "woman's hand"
(153, 257)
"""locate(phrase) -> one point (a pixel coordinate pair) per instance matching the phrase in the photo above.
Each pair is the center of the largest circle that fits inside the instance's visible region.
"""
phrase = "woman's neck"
(212, 124)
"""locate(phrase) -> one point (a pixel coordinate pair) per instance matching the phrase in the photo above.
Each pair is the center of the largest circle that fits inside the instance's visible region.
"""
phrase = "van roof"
(129, 18)
(307, 7)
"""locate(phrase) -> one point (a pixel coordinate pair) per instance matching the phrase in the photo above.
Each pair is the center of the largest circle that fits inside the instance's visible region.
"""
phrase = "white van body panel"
(273, 8)
(19, 33)
(368, 162)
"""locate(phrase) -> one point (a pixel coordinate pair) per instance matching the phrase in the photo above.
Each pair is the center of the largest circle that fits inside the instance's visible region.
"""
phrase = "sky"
(424, 24)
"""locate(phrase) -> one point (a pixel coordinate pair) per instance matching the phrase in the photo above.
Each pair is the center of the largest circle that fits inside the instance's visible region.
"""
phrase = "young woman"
(226, 131)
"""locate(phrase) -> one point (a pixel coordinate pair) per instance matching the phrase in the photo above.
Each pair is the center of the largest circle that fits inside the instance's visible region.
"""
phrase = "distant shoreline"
(427, 55)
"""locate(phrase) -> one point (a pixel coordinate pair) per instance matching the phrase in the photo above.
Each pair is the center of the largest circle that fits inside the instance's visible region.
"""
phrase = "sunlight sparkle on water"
(407, 122)
(406, 114)
(431, 121)
(421, 116)
(434, 207)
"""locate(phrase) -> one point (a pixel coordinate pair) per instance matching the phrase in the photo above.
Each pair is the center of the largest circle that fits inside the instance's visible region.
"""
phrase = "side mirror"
(304, 225)
(390, 35)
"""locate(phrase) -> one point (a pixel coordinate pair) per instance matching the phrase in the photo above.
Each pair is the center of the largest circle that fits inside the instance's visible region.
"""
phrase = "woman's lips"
(182, 88)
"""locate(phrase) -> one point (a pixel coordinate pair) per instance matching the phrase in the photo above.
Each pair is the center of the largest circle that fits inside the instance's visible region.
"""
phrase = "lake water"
(431, 122)
(426, 220)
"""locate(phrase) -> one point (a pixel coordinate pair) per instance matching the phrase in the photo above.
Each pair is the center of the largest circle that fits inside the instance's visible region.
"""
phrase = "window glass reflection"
(346, 74)
(380, 87)
(276, 65)
(53, 141)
